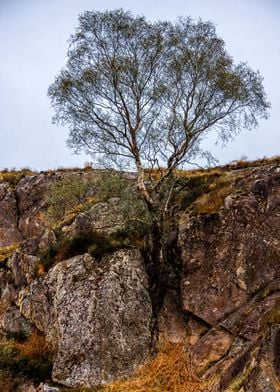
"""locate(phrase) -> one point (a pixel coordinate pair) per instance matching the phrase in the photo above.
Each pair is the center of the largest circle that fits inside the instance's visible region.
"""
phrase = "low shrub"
(69, 195)
(211, 202)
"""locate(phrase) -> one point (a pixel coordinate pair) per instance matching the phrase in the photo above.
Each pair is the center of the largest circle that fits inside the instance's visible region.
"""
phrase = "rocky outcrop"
(230, 283)
(221, 294)
(31, 204)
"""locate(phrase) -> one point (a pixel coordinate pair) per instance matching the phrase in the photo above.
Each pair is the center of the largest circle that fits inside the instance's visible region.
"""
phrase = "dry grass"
(234, 165)
(169, 371)
(34, 346)
(14, 176)
(7, 382)
(210, 203)
(24, 360)
(7, 251)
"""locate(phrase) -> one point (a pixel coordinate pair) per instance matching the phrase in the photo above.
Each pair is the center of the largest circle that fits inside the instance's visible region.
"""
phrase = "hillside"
(81, 308)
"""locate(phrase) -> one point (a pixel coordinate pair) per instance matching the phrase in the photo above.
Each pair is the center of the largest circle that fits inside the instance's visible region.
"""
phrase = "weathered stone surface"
(12, 322)
(47, 239)
(210, 348)
(23, 267)
(105, 217)
(231, 286)
(22, 207)
(98, 315)
(9, 217)
(230, 255)
(31, 204)
(171, 323)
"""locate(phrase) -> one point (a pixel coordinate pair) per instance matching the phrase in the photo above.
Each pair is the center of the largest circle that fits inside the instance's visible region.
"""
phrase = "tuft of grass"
(7, 251)
(170, 371)
(12, 177)
(210, 203)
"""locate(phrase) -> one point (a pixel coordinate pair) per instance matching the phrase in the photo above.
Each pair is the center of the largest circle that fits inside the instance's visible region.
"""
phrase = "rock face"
(237, 250)
(103, 217)
(9, 217)
(21, 208)
(230, 283)
(98, 316)
(30, 193)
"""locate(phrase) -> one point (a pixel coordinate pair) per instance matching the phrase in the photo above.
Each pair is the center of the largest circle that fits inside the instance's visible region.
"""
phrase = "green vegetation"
(69, 195)
(75, 194)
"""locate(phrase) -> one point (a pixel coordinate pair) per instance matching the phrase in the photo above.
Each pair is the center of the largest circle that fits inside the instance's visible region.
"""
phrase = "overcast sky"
(33, 45)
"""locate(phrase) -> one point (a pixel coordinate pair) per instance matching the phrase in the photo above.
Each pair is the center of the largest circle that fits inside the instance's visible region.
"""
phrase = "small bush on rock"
(71, 194)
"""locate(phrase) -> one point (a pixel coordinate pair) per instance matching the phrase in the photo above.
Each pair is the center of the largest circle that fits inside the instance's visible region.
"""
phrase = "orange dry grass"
(7, 251)
(6, 382)
(35, 346)
(211, 202)
(169, 371)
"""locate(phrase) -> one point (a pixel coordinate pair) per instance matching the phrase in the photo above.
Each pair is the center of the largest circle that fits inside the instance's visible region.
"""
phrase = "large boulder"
(97, 315)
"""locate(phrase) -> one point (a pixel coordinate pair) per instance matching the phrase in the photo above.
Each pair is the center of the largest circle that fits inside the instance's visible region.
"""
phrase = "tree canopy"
(145, 94)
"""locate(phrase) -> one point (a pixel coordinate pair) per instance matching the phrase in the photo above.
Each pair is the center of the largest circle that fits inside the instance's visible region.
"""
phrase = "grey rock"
(23, 267)
(97, 316)
(47, 239)
(105, 217)
(47, 388)
(12, 322)
(9, 217)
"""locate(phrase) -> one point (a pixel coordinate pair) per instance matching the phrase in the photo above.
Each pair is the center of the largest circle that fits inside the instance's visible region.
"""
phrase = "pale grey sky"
(33, 45)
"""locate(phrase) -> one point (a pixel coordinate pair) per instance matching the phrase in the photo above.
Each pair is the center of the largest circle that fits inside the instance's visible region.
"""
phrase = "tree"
(146, 94)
